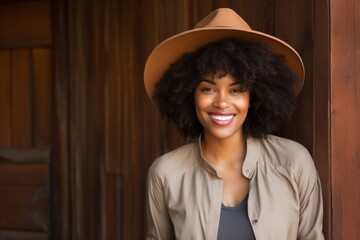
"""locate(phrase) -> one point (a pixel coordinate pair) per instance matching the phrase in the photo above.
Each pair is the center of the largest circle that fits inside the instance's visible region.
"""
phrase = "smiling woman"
(221, 105)
(232, 89)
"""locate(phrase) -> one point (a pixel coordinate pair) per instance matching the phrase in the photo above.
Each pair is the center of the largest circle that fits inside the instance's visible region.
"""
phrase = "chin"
(222, 135)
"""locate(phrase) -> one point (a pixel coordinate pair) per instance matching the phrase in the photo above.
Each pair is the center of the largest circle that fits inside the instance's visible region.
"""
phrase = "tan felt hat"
(220, 24)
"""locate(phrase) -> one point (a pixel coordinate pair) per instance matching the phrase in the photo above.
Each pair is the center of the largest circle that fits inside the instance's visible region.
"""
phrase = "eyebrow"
(212, 82)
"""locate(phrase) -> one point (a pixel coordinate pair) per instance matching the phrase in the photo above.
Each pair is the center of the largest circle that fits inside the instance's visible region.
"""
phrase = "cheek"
(243, 103)
(200, 102)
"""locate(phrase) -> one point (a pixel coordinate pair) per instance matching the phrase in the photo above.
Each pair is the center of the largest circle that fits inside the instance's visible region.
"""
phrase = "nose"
(221, 101)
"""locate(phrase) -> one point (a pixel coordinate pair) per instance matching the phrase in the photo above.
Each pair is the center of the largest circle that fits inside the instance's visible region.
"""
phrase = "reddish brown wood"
(25, 24)
(303, 42)
(25, 174)
(24, 190)
(28, 235)
(5, 99)
(43, 95)
(21, 99)
(24, 218)
(61, 207)
(114, 92)
(24, 196)
(110, 225)
(345, 118)
(25, 155)
(322, 121)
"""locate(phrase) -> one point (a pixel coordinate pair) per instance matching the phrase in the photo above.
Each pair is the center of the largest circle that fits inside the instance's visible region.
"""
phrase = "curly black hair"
(269, 80)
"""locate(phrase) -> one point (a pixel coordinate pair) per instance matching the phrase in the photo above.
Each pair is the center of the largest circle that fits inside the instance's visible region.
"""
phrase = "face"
(221, 105)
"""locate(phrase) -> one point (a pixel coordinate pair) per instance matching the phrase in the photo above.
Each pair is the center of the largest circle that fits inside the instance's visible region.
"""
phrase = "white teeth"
(222, 118)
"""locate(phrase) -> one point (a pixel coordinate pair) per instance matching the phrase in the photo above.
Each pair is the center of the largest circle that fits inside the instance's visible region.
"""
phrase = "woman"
(231, 87)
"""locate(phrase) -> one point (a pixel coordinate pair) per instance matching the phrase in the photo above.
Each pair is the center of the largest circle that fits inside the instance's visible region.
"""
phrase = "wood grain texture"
(25, 172)
(345, 117)
(5, 99)
(32, 174)
(21, 98)
(43, 96)
(321, 75)
(28, 235)
(25, 24)
(24, 190)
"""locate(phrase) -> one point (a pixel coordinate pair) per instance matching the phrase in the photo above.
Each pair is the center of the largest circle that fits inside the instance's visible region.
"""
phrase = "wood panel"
(23, 235)
(322, 120)
(5, 99)
(25, 24)
(25, 119)
(345, 117)
(34, 175)
(24, 190)
(21, 98)
(111, 199)
(61, 149)
(43, 95)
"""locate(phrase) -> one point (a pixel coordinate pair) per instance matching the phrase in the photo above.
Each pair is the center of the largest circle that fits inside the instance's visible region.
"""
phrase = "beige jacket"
(285, 199)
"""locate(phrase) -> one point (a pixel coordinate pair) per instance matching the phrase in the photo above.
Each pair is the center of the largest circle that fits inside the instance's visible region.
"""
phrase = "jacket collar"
(252, 155)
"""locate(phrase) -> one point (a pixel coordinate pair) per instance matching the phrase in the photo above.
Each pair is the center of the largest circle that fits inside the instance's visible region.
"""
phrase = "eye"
(237, 90)
(207, 90)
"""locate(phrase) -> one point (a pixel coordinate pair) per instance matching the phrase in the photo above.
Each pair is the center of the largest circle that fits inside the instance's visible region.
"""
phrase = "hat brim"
(172, 49)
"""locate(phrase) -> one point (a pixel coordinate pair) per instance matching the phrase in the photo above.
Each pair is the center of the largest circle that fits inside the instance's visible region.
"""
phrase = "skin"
(221, 106)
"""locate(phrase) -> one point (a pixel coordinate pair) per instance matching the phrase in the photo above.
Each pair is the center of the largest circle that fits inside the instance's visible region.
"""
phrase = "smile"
(222, 117)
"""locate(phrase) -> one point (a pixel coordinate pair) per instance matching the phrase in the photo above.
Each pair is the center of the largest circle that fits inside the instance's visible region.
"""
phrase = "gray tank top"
(235, 223)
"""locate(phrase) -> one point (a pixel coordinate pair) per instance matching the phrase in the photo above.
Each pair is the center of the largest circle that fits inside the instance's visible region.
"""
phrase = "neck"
(222, 151)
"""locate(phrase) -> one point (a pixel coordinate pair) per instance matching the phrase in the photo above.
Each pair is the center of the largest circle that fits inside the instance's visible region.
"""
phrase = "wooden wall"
(25, 119)
(100, 131)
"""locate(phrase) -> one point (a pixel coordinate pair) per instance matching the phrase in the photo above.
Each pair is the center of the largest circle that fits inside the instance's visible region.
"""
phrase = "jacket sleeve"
(311, 201)
(159, 224)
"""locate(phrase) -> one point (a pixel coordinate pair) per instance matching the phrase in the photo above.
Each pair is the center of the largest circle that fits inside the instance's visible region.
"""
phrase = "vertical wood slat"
(43, 105)
(111, 225)
(5, 99)
(283, 13)
(345, 118)
(61, 207)
(321, 106)
(78, 125)
(21, 98)
(113, 86)
(132, 217)
(303, 41)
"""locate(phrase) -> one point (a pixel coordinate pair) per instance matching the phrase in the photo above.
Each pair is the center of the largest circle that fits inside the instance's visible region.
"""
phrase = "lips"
(221, 119)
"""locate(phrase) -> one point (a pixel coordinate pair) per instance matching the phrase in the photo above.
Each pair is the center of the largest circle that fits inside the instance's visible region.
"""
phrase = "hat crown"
(223, 17)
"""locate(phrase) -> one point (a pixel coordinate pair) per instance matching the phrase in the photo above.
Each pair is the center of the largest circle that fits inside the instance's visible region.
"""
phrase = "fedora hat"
(220, 24)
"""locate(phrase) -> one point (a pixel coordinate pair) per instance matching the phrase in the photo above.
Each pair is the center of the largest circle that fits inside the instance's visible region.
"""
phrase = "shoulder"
(286, 152)
(174, 162)
(291, 157)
